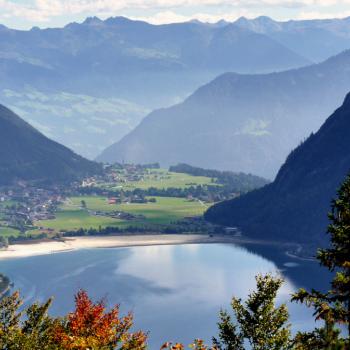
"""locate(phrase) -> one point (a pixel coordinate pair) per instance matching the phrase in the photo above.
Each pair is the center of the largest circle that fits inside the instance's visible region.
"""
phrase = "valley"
(124, 198)
(154, 174)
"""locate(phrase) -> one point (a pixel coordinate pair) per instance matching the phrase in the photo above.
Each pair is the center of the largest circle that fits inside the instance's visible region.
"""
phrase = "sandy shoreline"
(76, 243)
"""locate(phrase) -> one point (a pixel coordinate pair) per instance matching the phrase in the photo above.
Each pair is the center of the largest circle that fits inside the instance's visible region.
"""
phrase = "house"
(233, 231)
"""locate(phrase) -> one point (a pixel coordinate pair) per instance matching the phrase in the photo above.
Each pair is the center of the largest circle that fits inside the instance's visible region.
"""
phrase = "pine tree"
(333, 307)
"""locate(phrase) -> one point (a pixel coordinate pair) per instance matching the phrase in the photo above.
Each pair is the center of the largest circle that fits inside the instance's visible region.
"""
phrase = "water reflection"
(174, 291)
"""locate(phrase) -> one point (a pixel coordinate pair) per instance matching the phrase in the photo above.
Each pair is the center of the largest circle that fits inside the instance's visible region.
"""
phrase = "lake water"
(175, 292)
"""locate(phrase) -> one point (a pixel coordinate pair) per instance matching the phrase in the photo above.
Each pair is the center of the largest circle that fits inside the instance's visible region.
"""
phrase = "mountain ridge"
(142, 65)
(240, 122)
(294, 207)
(315, 39)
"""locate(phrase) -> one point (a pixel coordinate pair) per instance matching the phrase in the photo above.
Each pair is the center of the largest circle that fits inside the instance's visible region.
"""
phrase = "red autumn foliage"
(90, 326)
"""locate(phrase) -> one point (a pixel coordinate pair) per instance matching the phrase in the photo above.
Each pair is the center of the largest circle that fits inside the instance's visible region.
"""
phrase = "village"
(124, 195)
(22, 205)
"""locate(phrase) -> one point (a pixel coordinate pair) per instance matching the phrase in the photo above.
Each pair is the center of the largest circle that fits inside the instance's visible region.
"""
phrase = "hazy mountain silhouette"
(315, 39)
(245, 123)
(125, 68)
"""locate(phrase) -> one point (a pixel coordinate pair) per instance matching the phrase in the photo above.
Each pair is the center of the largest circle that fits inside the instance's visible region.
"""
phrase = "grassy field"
(164, 211)
(7, 231)
(68, 219)
(72, 216)
(162, 179)
(92, 203)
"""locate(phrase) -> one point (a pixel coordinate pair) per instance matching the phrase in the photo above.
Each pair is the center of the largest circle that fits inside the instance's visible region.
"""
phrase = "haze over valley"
(240, 122)
(103, 76)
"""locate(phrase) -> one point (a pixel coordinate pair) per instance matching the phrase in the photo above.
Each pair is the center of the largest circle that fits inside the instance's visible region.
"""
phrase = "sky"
(25, 14)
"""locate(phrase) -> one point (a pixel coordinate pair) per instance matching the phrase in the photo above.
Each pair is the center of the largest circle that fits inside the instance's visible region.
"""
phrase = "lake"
(175, 292)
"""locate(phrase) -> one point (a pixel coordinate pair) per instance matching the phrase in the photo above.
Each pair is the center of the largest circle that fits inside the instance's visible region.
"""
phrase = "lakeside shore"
(45, 247)
(27, 249)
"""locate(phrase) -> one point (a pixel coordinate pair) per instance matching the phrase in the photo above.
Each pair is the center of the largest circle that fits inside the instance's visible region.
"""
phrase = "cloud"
(173, 17)
(165, 10)
(308, 15)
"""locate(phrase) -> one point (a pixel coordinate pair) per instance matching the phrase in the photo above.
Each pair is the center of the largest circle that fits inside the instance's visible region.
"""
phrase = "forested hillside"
(26, 154)
(295, 206)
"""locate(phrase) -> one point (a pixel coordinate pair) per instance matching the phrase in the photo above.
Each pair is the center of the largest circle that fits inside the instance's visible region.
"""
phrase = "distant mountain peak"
(196, 21)
(346, 103)
(92, 21)
(265, 19)
(121, 20)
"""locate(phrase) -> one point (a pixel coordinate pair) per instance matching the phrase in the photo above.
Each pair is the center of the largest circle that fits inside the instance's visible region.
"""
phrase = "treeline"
(136, 166)
(183, 226)
(208, 193)
(5, 241)
(239, 182)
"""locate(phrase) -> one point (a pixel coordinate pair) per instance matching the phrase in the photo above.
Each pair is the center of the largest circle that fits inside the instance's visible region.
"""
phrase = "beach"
(75, 243)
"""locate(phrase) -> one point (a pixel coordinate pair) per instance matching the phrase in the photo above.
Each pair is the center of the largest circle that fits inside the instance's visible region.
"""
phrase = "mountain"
(88, 84)
(26, 154)
(294, 207)
(315, 39)
(243, 123)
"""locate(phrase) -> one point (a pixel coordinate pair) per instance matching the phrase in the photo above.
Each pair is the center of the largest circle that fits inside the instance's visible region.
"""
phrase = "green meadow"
(72, 216)
(74, 219)
(162, 179)
(165, 211)
(8, 231)
(92, 202)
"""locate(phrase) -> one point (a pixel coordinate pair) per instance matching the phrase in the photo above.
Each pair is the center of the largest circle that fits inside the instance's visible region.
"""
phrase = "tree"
(32, 334)
(4, 242)
(333, 307)
(258, 320)
(198, 344)
(91, 327)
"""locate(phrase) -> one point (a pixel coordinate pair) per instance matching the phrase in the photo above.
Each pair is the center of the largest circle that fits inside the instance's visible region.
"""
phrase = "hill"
(26, 154)
(102, 77)
(294, 207)
(243, 123)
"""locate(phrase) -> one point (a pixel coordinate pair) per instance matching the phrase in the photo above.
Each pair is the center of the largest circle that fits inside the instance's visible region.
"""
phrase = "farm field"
(8, 231)
(164, 211)
(162, 179)
(80, 212)
(74, 219)
(95, 203)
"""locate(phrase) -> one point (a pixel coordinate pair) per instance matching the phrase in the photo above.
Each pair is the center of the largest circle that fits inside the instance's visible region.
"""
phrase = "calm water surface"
(175, 292)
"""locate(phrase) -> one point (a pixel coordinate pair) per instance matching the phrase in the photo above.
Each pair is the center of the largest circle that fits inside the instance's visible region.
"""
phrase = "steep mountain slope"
(315, 39)
(26, 154)
(245, 123)
(124, 67)
(295, 206)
